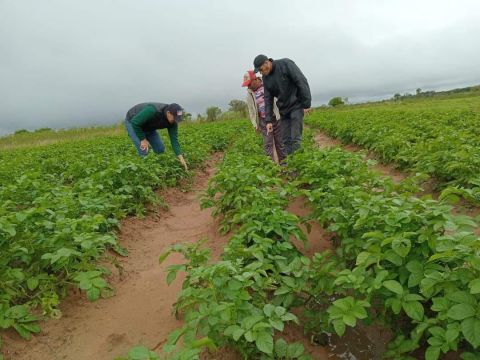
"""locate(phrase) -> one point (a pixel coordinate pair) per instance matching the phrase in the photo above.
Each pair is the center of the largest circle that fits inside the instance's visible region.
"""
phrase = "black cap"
(259, 60)
(176, 110)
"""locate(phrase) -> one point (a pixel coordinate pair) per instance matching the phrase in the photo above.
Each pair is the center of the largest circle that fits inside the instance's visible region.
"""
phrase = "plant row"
(60, 206)
(437, 137)
(243, 300)
(401, 261)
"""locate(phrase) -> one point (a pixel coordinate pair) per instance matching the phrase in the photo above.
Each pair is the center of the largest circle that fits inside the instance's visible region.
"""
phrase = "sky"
(74, 63)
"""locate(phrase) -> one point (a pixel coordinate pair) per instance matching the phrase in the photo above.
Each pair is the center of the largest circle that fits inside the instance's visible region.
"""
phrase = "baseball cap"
(248, 77)
(176, 110)
(258, 61)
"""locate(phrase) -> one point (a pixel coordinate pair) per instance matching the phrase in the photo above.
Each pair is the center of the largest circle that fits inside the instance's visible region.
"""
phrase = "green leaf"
(249, 336)
(295, 350)
(350, 320)
(393, 286)
(32, 283)
(250, 321)
(264, 342)
(85, 284)
(415, 267)
(339, 326)
(280, 310)
(414, 310)
(451, 335)
(471, 330)
(268, 309)
(401, 246)
(461, 311)
(462, 297)
(281, 348)
(277, 324)
(171, 276)
(25, 333)
(290, 317)
(474, 286)
(163, 256)
(139, 353)
(99, 283)
(432, 353)
(237, 333)
(93, 294)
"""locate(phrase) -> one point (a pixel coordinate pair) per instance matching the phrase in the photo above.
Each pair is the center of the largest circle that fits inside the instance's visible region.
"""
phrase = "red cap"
(248, 77)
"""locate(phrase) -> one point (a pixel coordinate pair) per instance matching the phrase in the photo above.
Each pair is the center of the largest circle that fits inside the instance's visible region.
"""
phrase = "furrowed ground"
(60, 209)
(397, 270)
(438, 136)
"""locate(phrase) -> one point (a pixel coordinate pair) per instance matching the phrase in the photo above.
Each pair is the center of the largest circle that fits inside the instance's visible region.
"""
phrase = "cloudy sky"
(66, 63)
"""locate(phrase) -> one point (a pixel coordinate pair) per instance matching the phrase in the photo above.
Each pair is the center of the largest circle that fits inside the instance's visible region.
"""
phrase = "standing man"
(142, 122)
(284, 80)
(256, 110)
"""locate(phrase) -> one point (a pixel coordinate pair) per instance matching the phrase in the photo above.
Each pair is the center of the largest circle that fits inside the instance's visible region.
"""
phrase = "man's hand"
(307, 111)
(183, 162)
(269, 128)
(144, 145)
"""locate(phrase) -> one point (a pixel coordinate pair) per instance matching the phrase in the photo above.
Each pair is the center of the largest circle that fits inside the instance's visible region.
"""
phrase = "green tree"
(397, 97)
(21, 131)
(187, 116)
(337, 100)
(213, 113)
(238, 106)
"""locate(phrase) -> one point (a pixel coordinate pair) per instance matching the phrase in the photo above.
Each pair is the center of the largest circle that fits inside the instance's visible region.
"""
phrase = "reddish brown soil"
(318, 237)
(140, 312)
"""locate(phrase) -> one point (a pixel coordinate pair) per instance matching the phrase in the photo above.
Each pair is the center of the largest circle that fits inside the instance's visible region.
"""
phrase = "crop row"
(244, 299)
(60, 206)
(437, 137)
(400, 260)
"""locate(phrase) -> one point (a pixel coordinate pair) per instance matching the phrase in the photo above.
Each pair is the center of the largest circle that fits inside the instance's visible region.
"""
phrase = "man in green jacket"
(142, 122)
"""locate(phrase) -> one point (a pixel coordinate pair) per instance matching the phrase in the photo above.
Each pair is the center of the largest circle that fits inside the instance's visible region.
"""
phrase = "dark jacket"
(288, 84)
(147, 117)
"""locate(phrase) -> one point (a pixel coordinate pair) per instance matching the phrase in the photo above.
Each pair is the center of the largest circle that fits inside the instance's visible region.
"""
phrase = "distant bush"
(213, 113)
(21, 131)
(337, 100)
(43, 130)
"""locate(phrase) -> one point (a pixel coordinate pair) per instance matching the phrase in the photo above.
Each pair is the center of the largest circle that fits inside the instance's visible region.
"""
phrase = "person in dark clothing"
(142, 122)
(282, 79)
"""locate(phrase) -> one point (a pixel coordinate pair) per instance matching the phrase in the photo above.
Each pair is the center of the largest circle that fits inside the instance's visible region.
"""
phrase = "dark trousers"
(273, 140)
(291, 128)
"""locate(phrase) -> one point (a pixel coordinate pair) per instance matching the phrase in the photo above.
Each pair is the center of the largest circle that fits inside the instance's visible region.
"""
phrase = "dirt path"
(325, 141)
(461, 208)
(140, 312)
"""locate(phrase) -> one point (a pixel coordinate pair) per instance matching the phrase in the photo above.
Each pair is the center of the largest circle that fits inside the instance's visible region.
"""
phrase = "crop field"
(60, 205)
(436, 136)
(406, 263)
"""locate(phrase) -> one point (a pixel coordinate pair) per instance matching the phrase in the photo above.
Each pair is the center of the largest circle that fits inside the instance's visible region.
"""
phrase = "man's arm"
(302, 84)
(268, 104)
(173, 135)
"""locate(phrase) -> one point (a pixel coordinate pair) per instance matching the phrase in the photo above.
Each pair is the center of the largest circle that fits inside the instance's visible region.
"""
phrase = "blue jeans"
(291, 126)
(152, 136)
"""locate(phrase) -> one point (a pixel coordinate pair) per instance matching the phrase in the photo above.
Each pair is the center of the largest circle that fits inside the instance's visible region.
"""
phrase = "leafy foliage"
(410, 257)
(60, 206)
(438, 137)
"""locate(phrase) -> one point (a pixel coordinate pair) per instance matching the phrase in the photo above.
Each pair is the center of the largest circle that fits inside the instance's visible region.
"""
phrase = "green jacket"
(148, 117)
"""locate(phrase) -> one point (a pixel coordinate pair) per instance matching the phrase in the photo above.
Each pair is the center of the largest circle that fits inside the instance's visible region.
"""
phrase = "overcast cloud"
(67, 63)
